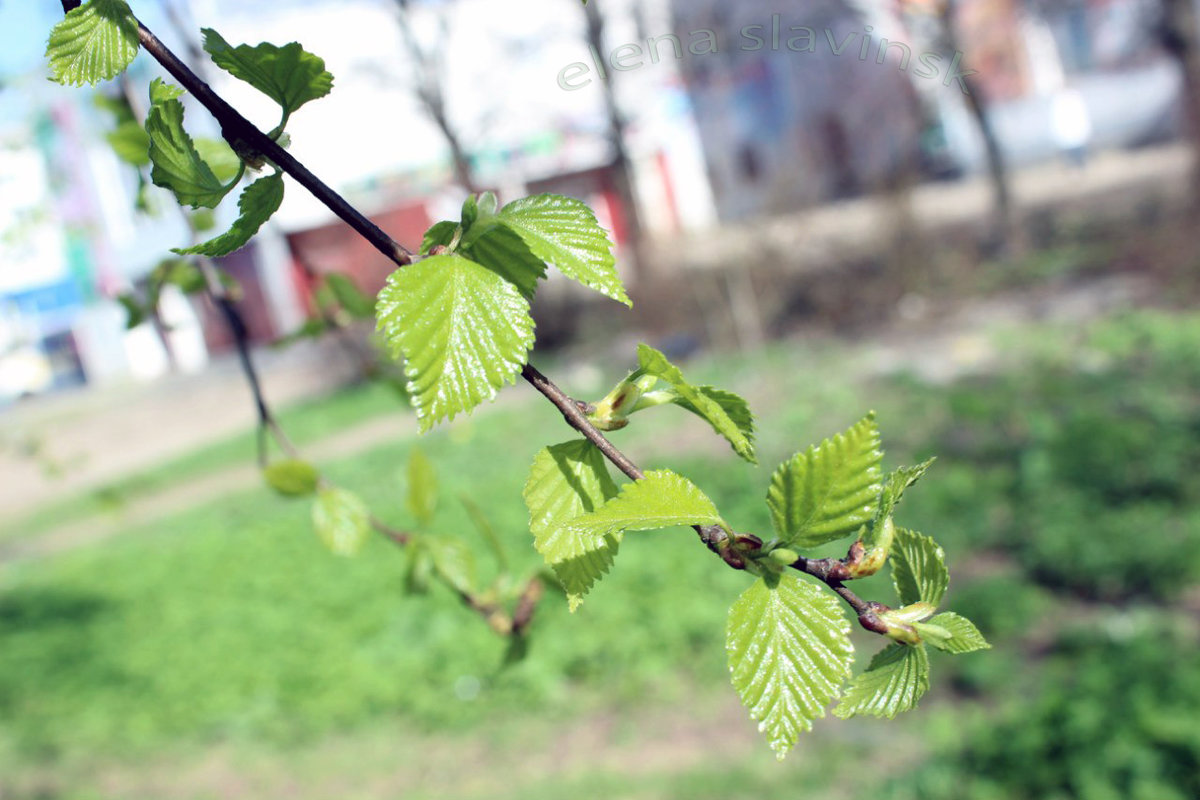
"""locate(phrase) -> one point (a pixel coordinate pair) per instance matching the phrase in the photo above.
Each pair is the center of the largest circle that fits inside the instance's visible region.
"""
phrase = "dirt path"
(92, 437)
(197, 491)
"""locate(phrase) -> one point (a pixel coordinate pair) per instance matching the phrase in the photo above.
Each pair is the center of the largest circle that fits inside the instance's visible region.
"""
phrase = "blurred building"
(731, 111)
(813, 101)
(797, 107)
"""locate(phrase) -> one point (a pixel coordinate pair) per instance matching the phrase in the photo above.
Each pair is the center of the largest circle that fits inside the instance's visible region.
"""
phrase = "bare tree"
(429, 65)
(1177, 31)
(617, 126)
(998, 173)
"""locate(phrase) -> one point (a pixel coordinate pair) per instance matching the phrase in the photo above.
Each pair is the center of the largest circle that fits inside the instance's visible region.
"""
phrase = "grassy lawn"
(226, 636)
(306, 422)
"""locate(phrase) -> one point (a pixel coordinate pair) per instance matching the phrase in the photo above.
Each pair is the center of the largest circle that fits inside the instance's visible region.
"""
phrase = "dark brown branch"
(573, 413)
(70, 5)
(245, 138)
(526, 604)
(401, 538)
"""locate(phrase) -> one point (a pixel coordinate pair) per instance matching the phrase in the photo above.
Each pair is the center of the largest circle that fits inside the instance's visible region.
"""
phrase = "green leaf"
(422, 487)
(828, 491)
(487, 205)
(292, 477)
(789, 652)
(440, 233)
(734, 406)
(470, 212)
(342, 521)
(258, 202)
(895, 680)
(896, 483)
(136, 312)
(661, 499)
(705, 404)
(220, 158)
(203, 220)
(567, 481)
(176, 163)
(288, 75)
(355, 302)
(181, 273)
(161, 91)
(564, 233)
(918, 568)
(131, 143)
(419, 569)
(964, 636)
(463, 330)
(486, 531)
(501, 250)
(92, 43)
(454, 561)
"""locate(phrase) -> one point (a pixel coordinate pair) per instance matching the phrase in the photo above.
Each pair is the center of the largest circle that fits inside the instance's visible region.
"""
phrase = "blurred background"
(976, 218)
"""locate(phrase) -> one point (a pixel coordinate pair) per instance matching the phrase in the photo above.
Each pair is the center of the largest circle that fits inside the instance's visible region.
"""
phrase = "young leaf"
(564, 233)
(567, 481)
(342, 521)
(440, 233)
(176, 163)
(704, 404)
(661, 499)
(258, 202)
(895, 680)
(419, 569)
(964, 636)
(349, 296)
(463, 330)
(135, 311)
(504, 252)
(789, 652)
(454, 561)
(734, 406)
(828, 491)
(220, 158)
(918, 568)
(422, 487)
(481, 523)
(161, 91)
(292, 477)
(470, 212)
(896, 483)
(288, 75)
(92, 43)
(131, 143)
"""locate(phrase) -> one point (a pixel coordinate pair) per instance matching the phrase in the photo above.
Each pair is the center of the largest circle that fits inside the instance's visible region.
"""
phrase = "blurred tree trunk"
(430, 92)
(1178, 33)
(617, 124)
(1004, 222)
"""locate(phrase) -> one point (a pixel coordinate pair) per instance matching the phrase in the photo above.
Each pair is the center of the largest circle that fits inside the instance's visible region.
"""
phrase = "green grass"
(228, 626)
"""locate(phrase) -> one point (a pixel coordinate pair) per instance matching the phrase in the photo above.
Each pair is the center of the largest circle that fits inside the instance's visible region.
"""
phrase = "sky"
(24, 26)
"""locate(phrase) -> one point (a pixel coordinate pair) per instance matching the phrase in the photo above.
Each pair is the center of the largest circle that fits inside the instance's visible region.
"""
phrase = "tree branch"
(243, 135)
